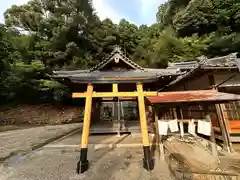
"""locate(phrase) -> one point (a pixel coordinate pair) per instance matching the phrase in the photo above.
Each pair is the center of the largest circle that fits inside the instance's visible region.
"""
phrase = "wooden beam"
(115, 88)
(79, 95)
(113, 94)
(150, 93)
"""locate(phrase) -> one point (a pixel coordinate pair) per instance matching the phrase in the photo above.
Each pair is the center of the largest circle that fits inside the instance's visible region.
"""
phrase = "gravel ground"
(20, 141)
(125, 163)
(236, 147)
(59, 163)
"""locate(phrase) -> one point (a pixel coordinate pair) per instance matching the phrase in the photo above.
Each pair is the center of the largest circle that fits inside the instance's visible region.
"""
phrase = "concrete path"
(24, 140)
(58, 161)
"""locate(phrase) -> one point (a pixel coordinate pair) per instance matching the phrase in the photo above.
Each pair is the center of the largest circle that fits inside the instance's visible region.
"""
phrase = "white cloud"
(15, 2)
(148, 7)
(104, 10)
(7, 4)
(20, 2)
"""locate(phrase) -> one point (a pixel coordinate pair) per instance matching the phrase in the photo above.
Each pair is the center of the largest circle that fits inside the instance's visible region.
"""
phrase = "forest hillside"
(42, 36)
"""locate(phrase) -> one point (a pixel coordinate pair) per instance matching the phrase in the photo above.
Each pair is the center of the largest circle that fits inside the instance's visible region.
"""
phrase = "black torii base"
(83, 163)
(148, 162)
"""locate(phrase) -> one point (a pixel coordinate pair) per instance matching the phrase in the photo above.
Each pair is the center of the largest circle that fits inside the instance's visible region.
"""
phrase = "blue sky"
(135, 11)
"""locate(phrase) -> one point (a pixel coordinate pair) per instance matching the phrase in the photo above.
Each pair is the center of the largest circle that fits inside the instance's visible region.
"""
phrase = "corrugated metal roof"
(192, 96)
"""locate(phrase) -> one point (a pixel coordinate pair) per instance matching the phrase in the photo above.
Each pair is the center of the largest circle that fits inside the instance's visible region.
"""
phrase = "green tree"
(58, 25)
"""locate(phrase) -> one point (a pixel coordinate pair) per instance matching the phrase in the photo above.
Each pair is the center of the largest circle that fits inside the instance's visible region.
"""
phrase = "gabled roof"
(136, 73)
(117, 55)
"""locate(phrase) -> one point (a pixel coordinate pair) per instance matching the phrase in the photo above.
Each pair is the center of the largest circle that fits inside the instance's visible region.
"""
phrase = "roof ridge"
(102, 62)
(123, 57)
(228, 58)
(130, 61)
(183, 62)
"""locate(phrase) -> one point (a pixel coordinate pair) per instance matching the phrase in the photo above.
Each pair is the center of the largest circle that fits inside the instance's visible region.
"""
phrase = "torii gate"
(83, 163)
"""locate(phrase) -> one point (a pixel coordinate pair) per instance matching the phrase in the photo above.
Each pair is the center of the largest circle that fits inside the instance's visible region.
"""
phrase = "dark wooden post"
(98, 110)
(158, 136)
(94, 111)
(212, 138)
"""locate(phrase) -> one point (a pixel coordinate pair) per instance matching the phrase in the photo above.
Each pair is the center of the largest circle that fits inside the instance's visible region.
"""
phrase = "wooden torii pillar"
(83, 163)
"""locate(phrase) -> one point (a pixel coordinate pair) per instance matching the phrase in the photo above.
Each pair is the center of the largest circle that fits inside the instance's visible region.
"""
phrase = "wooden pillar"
(155, 116)
(119, 118)
(83, 163)
(98, 109)
(116, 112)
(212, 138)
(147, 161)
(224, 130)
(158, 136)
(94, 111)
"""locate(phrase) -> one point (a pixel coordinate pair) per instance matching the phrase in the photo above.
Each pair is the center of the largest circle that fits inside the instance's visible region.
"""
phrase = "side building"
(222, 74)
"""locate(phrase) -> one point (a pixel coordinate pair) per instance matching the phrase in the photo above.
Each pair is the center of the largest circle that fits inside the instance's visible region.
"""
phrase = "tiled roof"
(224, 61)
(97, 76)
(229, 61)
(183, 65)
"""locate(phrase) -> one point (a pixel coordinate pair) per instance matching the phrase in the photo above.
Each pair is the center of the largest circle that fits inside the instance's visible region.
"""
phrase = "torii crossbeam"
(83, 163)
